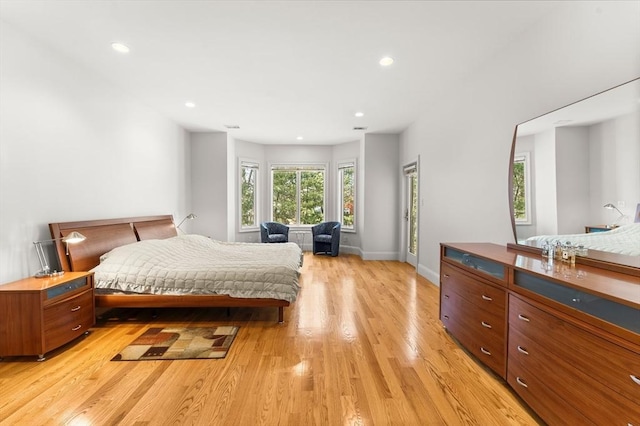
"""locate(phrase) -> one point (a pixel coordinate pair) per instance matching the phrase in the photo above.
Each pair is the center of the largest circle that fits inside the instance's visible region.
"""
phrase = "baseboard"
(380, 255)
(430, 275)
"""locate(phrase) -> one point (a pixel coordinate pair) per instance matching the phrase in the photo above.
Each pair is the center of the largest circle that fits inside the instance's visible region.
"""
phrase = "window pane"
(285, 201)
(311, 197)
(519, 195)
(347, 191)
(248, 195)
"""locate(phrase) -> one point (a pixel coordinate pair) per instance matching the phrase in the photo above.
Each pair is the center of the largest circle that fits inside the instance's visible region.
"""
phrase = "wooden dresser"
(565, 338)
(42, 314)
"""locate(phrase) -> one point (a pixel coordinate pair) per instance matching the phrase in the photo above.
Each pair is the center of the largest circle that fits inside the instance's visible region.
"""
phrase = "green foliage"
(248, 195)
(288, 208)
(348, 191)
(519, 196)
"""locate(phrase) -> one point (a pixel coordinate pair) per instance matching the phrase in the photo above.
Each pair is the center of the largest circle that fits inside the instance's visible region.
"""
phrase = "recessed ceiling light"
(119, 47)
(299, 138)
(359, 114)
(386, 61)
(189, 104)
(232, 126)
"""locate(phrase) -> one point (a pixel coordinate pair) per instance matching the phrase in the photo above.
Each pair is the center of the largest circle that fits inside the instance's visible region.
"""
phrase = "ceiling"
(280, 69)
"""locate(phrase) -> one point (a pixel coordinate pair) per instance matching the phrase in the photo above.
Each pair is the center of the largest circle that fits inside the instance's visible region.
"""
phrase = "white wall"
(72, 147)
(464, 138)
(572, 179)
(546, 183)
(209, 189)
(615, 175)
(379, 234)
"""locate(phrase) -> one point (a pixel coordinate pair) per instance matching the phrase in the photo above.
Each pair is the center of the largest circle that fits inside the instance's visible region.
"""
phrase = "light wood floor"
(362, 345)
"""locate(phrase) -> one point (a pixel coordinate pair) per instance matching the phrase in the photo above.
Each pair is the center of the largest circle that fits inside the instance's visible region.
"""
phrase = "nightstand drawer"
(68, 319)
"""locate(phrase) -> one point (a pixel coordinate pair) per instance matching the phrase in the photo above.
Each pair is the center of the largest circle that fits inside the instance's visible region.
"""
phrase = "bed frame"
(107, 234)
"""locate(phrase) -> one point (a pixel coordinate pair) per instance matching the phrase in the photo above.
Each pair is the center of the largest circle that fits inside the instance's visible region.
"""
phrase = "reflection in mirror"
(569, 164)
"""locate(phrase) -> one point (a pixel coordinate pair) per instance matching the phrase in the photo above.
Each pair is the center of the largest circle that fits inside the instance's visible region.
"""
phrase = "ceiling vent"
(231, 126)
(359, 128)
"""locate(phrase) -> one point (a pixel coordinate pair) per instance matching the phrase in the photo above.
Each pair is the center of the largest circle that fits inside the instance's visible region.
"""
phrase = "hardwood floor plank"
(362, 345)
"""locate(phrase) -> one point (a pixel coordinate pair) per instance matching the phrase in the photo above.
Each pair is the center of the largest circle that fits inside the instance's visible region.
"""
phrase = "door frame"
(405, 256)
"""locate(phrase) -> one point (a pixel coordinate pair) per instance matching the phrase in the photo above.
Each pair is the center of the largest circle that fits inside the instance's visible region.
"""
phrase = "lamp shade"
(74, 237)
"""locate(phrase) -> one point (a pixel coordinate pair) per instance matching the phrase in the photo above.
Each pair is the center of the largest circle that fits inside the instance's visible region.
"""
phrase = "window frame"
(299, 167)
(242, 163)
(524, 158)
(341, 165)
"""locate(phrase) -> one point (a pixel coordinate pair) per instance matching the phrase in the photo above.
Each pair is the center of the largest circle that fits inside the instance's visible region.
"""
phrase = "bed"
(624, 239)
(143, 262)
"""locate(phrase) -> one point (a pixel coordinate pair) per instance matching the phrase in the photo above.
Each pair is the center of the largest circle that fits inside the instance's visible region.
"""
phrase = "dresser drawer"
(488, 345)
(67, 289)
(483, 295)
(598, 402)
(474, 316)
(608, 363)
(551, 407)
(68, 319)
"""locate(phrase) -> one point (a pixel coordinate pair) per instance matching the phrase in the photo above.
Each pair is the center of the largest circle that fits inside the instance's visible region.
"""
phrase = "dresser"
(567, 338)
(42, 314)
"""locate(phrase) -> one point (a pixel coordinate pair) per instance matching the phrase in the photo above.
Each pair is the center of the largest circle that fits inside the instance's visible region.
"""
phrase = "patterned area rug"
(180, 343)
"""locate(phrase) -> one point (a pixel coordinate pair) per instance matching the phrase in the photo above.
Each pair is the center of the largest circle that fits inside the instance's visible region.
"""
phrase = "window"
(521, 191)
(346, 191)
(248, 194)
(298, 193)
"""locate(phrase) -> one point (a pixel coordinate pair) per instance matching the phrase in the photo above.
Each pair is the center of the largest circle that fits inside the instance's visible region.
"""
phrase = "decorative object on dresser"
(572, 333)
(40, 315)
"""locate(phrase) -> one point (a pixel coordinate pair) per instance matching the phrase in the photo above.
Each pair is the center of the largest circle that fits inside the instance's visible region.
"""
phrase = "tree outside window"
(298, 194)
(248, 194)
(521, 191)
(346, 176)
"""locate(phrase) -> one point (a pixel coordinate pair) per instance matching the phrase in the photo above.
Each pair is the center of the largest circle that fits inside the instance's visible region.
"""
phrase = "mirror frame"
(611, 261)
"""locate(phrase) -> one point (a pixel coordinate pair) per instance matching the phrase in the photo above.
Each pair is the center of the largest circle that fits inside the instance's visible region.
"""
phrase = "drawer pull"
(486, 324)
(484, 351)
(522, 350)
(486, 298)
(635, 379)
(446, 296)
(445, 275)
(77, 327)
(521, 382)
(445, 316)
(523, 318)
(77, 308)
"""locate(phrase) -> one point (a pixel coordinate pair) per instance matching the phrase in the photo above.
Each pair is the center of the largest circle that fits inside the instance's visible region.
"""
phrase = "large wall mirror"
(575, 176)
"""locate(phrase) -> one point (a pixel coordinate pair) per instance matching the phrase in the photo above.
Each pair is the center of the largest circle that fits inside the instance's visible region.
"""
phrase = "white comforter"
(622, 240)
(194, 264)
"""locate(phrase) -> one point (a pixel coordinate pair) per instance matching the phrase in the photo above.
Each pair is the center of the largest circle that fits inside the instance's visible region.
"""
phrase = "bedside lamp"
(610, 206)
(73, 238)
(191, 216)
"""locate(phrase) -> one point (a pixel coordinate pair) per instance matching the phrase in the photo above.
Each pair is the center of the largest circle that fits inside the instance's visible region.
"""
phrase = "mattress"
(194, 264)
(622, 240)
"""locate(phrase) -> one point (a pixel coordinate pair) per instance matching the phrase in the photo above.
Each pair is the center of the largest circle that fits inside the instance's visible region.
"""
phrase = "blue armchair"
(326, 238)
(274, 232)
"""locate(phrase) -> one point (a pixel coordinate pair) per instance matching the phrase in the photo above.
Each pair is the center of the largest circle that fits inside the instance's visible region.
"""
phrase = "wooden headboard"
(105, 235)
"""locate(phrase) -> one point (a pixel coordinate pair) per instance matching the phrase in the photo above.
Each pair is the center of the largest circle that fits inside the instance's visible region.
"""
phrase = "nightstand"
(42, 314)
(598, 228)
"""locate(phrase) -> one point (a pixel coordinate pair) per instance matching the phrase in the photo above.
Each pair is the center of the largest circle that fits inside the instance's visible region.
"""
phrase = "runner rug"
(172, 343)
